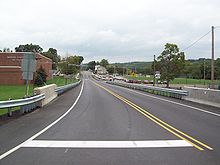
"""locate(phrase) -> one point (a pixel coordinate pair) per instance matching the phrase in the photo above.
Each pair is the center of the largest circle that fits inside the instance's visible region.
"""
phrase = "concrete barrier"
(203, 96)
(49, 91)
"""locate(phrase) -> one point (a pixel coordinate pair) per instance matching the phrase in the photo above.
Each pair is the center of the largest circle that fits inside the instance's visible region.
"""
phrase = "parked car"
(139, 81)
(151, 82)
(135, 81)
(129, 81)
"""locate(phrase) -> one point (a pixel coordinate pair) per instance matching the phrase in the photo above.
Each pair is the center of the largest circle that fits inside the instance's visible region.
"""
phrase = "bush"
(40, 77)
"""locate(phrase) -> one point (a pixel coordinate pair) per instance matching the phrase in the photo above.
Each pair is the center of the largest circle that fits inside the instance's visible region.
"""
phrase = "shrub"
(40, 77)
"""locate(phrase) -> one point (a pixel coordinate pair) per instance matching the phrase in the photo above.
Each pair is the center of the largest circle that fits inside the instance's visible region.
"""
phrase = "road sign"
(28, 66)
(133, 74)
(27, 75)
(157, 75)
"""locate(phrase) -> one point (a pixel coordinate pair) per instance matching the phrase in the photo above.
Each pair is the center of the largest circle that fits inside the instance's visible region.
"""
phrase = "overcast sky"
(117, 30)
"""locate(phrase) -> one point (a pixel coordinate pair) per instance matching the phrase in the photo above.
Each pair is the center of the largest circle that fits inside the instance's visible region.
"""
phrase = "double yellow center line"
(196, 143)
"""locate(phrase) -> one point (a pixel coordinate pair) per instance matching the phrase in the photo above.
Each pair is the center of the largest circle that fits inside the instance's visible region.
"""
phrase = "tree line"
(171, 63)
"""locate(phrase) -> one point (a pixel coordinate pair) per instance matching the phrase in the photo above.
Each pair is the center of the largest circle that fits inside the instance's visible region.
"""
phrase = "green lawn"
(177, 80)
(60, 81)
(13, 91)
(18, 91)
(140, 77)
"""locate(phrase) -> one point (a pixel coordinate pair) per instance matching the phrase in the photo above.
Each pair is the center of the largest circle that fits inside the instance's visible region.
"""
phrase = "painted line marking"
(106, 144)
(45, 129)
(161, 123)
(173, 102)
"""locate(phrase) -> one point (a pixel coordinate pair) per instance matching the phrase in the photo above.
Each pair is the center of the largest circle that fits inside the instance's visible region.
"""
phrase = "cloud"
(119, 30)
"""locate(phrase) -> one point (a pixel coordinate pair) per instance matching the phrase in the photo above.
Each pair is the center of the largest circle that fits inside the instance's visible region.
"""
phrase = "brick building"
(10, 67)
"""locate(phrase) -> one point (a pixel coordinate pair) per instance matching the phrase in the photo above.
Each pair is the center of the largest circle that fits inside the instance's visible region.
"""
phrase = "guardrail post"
(9, 109)
(22, 108)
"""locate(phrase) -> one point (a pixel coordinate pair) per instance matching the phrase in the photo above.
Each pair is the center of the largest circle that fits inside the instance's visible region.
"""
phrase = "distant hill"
(146, 67)
(133, 64)
(140, 67)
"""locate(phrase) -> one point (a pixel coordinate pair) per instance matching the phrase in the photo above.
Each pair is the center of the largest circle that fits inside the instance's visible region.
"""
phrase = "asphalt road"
(97, 123)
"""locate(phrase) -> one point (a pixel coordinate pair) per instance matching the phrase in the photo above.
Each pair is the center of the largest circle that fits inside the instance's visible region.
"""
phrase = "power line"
(197, 40)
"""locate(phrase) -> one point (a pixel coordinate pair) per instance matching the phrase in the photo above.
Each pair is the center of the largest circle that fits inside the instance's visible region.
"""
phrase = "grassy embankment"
(18, 91)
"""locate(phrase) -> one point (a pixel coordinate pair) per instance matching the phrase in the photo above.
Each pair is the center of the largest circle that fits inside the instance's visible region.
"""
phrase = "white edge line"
(43, 130)
(195, 108)
(106, 144)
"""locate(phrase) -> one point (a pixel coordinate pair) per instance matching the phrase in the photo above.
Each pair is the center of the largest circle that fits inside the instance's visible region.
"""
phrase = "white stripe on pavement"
(106, 144)
(173, 102)
(45, 129)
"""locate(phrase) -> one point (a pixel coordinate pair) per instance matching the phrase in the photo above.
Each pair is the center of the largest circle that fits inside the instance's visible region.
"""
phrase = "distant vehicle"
(146, 82)
(129, 81)
(139, 81)
(135, 81)
(151, 82)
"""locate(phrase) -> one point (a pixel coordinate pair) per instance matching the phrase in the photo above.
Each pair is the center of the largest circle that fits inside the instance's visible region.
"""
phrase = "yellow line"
(157, 120)
(202, 144)
(162, 125)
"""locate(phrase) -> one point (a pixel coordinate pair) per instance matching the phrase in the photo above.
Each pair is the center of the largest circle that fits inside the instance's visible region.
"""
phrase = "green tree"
(170, 63)
(80, 59)
(7, 50)
(110, 69)
(77, 60)
(91, 65)
(104, 62)
(70, 65)
(205, 64)
(29, 48)
(41, 77)
(116, 69)
(217, 68)
(52, 54)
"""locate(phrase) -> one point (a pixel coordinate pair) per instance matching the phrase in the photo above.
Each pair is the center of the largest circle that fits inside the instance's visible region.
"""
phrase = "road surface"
(98, 123)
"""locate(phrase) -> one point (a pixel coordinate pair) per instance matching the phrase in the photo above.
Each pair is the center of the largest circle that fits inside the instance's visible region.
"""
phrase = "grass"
(18, 91)
(177, 80)
(140, 77)
(13, 91)
(60, 81)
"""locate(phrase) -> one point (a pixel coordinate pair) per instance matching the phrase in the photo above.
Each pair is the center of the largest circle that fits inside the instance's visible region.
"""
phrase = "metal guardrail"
(26, 104)
(30, 103)
(155, 90)
(95, 77)
(60, 90)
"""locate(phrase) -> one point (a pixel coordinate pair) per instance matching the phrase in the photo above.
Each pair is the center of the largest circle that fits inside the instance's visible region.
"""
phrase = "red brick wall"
(46, 63)
(11, 76)
(14, 75)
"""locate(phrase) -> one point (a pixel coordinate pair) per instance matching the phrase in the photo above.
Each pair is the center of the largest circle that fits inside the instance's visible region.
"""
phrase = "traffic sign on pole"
(28, 66)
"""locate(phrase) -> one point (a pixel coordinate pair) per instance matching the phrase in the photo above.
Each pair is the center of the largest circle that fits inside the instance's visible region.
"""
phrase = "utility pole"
(154, 71)
(204, 71)
(213, 58)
